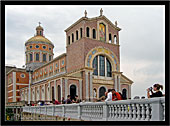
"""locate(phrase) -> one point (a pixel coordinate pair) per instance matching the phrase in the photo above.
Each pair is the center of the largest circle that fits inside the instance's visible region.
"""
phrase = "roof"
(39, 38)
(91, 19)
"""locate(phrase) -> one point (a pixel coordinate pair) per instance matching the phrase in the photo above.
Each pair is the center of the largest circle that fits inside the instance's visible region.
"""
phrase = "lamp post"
(29, 69)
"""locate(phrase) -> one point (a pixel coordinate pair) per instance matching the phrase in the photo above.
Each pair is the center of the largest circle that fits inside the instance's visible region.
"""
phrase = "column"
(105, 67)
(44, 92)
(115, 78)
(129, 94)
(14, 86)
(53, 68)
(118, 81)
(55, 89)
(47, 57)
(98, 65)
(39, 93)
(87, 85)
(91, 86)
(80, 86)
(61, 88)
(66, 88)
(34, 94)
(33, 56)
(49, 93)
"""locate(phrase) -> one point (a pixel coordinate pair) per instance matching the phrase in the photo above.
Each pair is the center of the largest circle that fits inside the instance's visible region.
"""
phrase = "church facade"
(90, 66)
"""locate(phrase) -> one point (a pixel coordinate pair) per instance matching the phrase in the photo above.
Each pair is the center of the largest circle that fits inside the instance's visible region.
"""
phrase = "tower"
(39, 50)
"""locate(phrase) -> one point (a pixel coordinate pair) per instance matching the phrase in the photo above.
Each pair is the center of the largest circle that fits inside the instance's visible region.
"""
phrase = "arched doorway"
(72, 91)
(102, 91)
(59, 93)
(52, 93)
(124, 93)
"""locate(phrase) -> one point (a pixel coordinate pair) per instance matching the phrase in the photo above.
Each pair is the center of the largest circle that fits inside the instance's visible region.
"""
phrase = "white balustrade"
(124, 110)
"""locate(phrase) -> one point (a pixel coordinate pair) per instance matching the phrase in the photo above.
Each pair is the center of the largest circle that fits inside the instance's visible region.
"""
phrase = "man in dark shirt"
(68, 101)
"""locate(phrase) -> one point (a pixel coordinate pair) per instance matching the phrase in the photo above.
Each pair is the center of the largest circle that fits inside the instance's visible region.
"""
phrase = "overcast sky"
(142, 38)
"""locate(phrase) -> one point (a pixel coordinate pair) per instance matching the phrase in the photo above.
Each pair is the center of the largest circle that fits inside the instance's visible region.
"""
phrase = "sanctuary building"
(90, 66)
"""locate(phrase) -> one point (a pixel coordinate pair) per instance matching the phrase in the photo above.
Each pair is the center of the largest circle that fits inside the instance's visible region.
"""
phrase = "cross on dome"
(39, 23)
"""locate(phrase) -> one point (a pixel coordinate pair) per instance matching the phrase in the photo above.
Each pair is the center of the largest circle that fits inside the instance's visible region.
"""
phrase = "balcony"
(125, 110)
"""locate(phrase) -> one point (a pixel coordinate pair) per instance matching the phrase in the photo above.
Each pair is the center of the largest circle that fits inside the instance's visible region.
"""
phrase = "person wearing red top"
(115, 95)
(56, 102)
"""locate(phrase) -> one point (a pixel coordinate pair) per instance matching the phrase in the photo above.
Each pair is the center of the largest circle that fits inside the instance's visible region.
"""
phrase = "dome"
(39, 39)
(39, 28)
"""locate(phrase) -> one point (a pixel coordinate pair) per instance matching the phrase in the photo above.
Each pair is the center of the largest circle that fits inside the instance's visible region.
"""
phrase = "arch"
(81, 32)
(102, 51)
(68, 40)
(77, 35)
(94, 33)
(115, 39)
(110, 38)
(124, 93)
(59, 93)
(72, 37)
(37, 56)
(44, 57)
(72, 90)
(30, 56)
(87, 32)
(94, 93)
(102, 91)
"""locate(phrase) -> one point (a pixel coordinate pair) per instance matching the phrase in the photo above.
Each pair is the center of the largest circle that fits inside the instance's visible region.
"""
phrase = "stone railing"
(125, 110)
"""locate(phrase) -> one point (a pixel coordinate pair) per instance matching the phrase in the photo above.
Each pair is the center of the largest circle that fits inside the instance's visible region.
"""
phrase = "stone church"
(90, 66)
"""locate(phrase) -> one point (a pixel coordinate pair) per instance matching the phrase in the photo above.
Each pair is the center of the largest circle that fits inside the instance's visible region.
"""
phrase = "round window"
(37, 46)
(49, 48)
(22, 75)
(44, 47)
(30, 47)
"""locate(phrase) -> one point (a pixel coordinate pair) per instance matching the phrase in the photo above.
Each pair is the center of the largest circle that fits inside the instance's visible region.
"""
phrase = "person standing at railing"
(56, 102)
(156, 88)
(68, 101)
(109, 95)
(116, 95)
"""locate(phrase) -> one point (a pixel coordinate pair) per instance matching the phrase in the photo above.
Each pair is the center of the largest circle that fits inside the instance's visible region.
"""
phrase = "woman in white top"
(109, 95)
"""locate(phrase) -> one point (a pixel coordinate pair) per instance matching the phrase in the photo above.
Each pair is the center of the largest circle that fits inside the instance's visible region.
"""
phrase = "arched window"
(110, 38)
(109, 68)
(94, 34)
(102, 65)
(30, 57)
(81, 32)
(87, 32)
(95, 65)
(37, 57)
(72, 37)
(102, 91)
(77, 35)
(115, 39)
(100, 68)
(40, 32)
(49, 58)
(68, 40)
(44, 57)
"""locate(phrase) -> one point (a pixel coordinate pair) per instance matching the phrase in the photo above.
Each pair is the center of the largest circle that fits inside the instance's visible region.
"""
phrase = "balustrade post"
(105, 112)
(157, 111)
(79, 111)
(63, 109)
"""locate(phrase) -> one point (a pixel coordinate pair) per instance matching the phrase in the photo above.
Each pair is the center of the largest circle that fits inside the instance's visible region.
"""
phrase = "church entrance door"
(59, 93)
(72, 91)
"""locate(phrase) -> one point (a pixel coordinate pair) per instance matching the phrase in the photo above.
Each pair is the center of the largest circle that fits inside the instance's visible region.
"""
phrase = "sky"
(142, 38)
